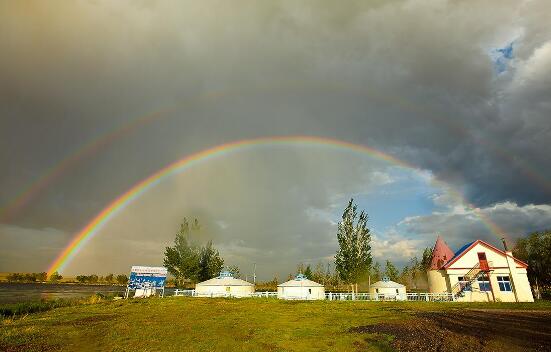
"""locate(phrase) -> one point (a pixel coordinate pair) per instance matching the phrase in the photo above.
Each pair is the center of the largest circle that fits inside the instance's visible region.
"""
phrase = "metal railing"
(420, 297)
(189, 293)
(431, 297)
(335, 296)
(469, 278)
(265, 294)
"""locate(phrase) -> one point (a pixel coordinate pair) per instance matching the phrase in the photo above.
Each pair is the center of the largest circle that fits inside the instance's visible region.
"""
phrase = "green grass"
(17, 309)
(203, 324)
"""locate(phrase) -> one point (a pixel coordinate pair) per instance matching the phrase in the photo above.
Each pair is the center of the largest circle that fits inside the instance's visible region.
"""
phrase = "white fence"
(330, 296)
(189, 293)
(431, 297)
(265, 294)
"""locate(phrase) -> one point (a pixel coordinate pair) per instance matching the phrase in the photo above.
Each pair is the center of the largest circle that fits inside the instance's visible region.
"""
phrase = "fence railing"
(431, 297)
(265, 294)
(190, 293)
(337, 296)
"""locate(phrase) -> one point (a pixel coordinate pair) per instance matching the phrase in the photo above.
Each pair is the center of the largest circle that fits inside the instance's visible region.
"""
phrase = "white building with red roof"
(478, 272)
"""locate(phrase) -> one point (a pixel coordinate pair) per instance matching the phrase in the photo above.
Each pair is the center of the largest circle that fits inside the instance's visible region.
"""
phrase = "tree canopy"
(187, 261)
(535, 250)
(391, 271)
(353, 258)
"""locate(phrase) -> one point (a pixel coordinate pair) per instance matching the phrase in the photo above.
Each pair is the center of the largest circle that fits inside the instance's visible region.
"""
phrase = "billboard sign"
(142, 277)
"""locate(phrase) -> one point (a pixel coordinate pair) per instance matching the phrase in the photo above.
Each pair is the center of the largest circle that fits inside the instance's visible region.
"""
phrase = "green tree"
(55, 277)
(109, 278)
(300, 268)
(234, 270)
(414, 271)
(405, 276)
(376, 274)
(15, 277)
(210, 262)
(30, 277)
(535, 250)
(319, 273)
(182, 260)
(390, 271)
(308, 272)
(426, 259)
(353, 258)
(122, 279)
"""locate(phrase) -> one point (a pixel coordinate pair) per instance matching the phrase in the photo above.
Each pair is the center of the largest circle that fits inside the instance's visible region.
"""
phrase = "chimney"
(504, 244)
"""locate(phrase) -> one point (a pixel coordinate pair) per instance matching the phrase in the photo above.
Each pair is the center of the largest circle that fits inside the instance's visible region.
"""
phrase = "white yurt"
(388, 290)
(225, 285)
(300, 288)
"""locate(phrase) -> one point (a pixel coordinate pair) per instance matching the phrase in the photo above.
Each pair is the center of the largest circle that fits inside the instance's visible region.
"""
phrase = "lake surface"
(14, 293)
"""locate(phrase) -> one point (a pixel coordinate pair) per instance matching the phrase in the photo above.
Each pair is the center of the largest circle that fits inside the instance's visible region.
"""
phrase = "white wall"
(307, 293)
(217, 291)
(499, 264)
(389, 293)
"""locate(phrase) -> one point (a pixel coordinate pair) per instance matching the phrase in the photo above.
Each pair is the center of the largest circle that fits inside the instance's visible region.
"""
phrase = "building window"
(377, 290)
(484, 283)
(310, 291)
(397, 291)
(504, 283)
(464, 284)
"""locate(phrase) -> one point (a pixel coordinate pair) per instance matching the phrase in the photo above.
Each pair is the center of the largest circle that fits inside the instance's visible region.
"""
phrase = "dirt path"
(468, 330)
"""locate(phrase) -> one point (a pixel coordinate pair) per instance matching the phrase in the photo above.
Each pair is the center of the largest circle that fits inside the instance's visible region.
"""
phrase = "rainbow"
(120, 203)
(13, 207)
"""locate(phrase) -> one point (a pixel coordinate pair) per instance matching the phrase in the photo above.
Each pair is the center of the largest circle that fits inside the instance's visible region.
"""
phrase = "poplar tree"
(353, 258)
(182, 260)
(390, 271)
(186, 260)
(376, 272)
(210, 263)
(308, 272)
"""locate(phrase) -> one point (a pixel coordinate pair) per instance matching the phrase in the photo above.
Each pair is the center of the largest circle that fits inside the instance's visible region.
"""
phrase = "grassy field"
(197, 324)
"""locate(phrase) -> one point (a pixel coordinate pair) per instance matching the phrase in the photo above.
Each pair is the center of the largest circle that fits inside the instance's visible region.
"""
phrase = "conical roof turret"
(441, 254)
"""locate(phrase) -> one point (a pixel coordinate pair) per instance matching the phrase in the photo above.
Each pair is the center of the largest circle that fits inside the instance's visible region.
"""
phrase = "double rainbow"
(82, 237)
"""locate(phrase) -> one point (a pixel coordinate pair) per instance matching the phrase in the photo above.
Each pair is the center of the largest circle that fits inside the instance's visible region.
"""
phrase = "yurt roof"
(225, 279)
(386, 283)
(300, 281)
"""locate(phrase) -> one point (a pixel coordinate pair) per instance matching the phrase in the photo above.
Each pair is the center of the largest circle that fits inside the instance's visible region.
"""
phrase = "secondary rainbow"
(82, 237)
(53, 173)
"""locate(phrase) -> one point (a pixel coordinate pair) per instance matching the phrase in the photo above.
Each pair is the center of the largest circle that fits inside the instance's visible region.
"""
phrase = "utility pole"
(511, 281)
(254, 273)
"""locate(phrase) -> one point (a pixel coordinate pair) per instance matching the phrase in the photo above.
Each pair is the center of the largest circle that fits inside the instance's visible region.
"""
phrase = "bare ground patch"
(467, 330)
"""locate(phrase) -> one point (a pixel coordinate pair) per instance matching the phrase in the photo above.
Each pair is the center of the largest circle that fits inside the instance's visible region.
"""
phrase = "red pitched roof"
(465, 249)
(441, 254)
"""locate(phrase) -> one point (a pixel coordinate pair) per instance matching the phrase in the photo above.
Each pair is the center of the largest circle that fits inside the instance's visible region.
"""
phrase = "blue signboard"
(142, 277)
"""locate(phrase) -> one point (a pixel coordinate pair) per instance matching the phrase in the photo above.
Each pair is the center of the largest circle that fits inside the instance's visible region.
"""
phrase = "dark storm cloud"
(413, 78)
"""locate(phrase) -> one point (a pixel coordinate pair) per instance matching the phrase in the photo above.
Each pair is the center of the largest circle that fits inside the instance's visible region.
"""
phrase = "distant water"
(14, 293)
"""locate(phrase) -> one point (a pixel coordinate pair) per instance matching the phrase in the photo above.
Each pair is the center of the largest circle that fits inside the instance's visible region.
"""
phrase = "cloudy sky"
(98, 95)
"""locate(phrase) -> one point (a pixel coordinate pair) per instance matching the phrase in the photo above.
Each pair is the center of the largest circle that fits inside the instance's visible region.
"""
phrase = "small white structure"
(300, 288)
(388, 290)
(225, 285)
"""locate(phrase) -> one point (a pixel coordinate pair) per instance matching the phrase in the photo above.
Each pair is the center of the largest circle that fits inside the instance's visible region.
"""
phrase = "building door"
(483, 262)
